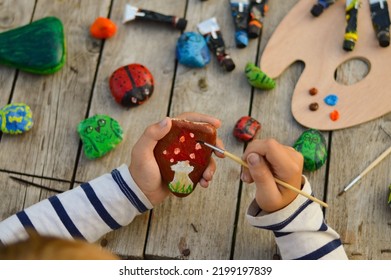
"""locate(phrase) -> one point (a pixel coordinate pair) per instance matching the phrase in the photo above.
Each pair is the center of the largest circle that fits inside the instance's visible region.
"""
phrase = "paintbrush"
(370, 167)
(278, 181)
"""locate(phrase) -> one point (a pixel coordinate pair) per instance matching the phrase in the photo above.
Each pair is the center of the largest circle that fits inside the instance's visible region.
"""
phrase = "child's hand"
(268, 159)
(144, 168)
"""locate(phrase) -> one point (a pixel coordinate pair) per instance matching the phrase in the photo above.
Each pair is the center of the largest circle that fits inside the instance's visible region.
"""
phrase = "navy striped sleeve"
(128, 192)
(25, 220)
(64, 217)
(322, 251)
(98, 206)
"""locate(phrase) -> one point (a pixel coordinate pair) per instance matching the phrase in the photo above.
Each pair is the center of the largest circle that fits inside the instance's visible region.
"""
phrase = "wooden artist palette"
(317, 41)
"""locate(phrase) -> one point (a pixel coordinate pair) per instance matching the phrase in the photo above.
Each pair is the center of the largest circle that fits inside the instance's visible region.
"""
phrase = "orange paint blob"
(334, 115)
(103, 28)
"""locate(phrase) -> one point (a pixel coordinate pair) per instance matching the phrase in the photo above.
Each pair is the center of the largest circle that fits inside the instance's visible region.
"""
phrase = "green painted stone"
(38, 47)
(257, 78)
(312, 145)
(389, 197)
(99, 134)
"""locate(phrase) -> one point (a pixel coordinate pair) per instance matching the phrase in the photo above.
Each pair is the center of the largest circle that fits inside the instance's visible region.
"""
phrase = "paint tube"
(240, 13)
(318, 8)
(132, 13)
(381, 21)
(212, 34)
(258, 9)
(351, 36)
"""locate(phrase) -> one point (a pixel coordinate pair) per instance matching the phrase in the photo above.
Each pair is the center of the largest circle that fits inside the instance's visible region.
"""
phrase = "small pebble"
(313, 91)
(334, 115)
(314, 106)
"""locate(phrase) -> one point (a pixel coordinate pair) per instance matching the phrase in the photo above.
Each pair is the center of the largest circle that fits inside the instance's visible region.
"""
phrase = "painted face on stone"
(99, 134)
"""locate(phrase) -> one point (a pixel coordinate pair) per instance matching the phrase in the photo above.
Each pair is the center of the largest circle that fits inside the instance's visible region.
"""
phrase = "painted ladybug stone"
(246, 128)
(312, 145)
(131, 85)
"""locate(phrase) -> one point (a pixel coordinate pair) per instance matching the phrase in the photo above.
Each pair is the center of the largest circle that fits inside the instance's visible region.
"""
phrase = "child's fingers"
(152, 134)
(207, 176)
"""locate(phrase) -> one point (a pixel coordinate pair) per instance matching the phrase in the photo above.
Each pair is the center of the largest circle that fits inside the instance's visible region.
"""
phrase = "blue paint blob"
(331, 100)
(192, 50)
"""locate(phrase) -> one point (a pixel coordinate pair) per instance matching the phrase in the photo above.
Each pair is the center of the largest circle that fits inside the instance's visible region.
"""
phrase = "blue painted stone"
(312, 145)
(16, 118)
(192, 50)
(331, 100)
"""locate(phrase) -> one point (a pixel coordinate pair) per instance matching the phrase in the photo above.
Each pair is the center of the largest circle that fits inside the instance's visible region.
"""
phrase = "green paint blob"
(312, 145)
(38, 47)
(99, 134)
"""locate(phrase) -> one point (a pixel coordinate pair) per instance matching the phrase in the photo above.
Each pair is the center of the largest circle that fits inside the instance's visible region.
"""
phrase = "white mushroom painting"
(182, 182)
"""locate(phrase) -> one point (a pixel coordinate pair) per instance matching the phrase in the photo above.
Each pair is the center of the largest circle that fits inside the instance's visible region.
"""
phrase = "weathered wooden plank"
(152, 45)
(12, 15)
(361, 215)
(16, 195)
(201, 226)
(273, 110)
(58, 101)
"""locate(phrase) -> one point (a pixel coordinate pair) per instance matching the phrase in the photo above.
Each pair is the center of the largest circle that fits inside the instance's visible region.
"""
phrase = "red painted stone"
(181, 158)
(246, 128)
(131, 85)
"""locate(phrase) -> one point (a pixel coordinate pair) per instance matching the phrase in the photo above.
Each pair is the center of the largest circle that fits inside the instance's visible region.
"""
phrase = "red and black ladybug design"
(246, 128)
(131, 85)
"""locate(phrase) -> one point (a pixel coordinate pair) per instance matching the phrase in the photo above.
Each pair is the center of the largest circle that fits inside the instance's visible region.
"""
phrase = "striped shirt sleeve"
(299, 229)
(86, 212)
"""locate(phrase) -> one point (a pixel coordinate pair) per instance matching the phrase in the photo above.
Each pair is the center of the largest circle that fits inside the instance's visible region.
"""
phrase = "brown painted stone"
(181, 159)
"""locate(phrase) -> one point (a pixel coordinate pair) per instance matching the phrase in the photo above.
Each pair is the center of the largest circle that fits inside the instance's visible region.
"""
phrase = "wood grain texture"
(361, 215)
(13, 14)
(58, 101)
(318, 43)
(210, 223)
(207, 230)
(152, 45)
(271, 109)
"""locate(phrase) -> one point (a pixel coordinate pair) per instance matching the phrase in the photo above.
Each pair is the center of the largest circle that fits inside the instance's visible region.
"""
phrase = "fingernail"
(253, 159)
(163, 123)
(244, 177)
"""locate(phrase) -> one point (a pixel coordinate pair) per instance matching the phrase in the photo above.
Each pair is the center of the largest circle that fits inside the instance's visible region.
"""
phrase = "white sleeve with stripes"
(300, 229)
(86, 212)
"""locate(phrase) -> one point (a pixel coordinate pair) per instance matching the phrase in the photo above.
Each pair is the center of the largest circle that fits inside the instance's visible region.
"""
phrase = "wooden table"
(209, 224)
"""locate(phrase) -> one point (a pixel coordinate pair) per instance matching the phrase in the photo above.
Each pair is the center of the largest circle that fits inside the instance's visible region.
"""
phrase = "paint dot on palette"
(334, 115)
(314, 106)
(313, 91)
(331, 100)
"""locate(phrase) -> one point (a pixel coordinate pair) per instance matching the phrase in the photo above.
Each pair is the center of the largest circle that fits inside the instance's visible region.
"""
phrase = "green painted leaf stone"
(99, 134)
(38, 47)
(312, 145)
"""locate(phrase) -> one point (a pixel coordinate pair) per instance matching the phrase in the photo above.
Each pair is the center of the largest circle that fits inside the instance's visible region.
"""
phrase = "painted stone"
(389, 197)
(131, 85)
(103, 28)
(99, 134)
(246, 128)
(16, 118)
(38, 47)
(181, 158)
(192, 50)
(257, 78)
(312, 145)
